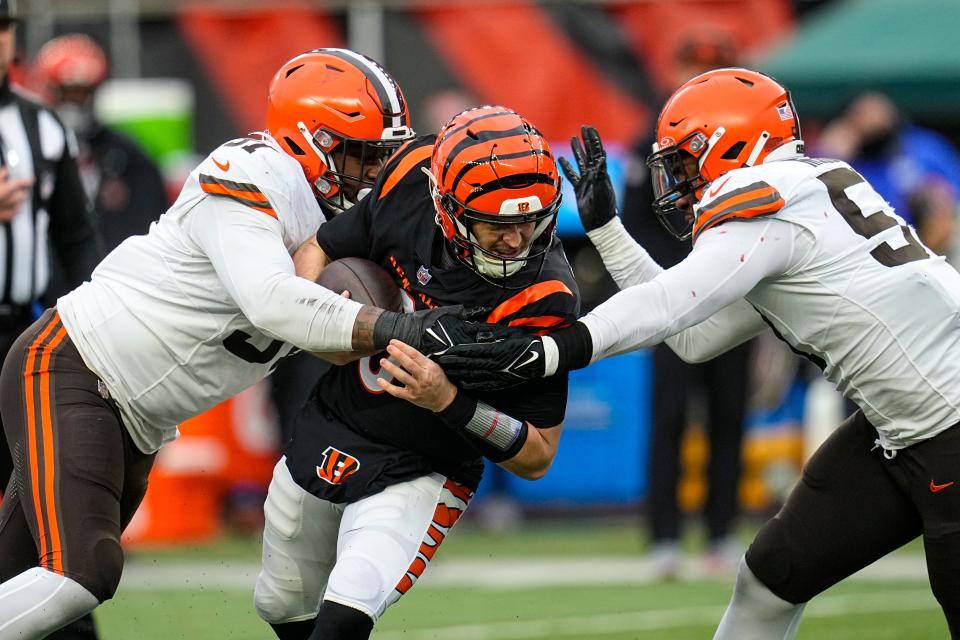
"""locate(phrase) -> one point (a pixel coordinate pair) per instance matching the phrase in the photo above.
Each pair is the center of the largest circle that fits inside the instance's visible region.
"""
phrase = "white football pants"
(363, 555)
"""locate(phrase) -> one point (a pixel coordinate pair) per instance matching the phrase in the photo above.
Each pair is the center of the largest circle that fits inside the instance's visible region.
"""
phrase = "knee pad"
(102, 576)
(357, 583)
(269, 602)
(772, 558)
(282, 600)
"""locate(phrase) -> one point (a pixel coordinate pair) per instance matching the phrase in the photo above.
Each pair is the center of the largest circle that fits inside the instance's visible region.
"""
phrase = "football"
(367, 282)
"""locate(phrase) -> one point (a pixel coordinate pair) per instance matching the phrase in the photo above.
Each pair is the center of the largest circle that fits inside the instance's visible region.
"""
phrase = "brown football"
(367, 282)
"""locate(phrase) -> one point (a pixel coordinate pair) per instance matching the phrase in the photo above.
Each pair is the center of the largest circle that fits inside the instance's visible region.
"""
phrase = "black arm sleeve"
(73, 234)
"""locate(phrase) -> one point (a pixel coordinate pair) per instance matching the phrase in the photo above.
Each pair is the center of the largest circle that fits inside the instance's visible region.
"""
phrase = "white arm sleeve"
(725, 264)
(629, 264)
(247, 251)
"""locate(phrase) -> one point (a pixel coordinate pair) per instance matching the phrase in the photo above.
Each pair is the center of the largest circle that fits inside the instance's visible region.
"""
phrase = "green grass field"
(878, 609)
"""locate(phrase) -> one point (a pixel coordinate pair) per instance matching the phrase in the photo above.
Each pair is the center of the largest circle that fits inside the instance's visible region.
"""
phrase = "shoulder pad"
(245, 170)
(546, 305)
(405, 164)
(739, 194)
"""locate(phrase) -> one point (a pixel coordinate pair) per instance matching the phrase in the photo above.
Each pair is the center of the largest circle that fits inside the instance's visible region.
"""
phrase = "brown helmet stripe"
(388, 93)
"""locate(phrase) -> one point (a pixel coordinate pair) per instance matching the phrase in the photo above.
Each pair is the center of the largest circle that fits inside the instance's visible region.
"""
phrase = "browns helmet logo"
(337, 466)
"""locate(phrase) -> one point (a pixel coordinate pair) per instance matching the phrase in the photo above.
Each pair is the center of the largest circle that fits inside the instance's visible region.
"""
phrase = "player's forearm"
(305, 315)
(637, 317)
(310, 260)
(502, 436)
(627, 262)
(535, 457)
(724, 330)
(722, 269)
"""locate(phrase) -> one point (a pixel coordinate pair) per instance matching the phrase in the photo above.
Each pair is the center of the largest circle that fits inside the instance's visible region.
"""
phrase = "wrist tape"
(502, 433)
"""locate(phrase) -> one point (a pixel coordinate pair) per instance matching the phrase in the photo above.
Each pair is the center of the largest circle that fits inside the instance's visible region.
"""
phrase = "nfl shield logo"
(423, 275)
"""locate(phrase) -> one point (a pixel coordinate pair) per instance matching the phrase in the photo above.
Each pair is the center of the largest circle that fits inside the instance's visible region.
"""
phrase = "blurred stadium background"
(562, 557)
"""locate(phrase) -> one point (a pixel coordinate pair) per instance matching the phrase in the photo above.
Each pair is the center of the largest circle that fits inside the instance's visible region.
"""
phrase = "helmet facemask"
(678, 183)
(348, 161)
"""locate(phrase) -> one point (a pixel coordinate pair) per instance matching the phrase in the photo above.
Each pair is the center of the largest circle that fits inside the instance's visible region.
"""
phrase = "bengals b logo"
(337, 466)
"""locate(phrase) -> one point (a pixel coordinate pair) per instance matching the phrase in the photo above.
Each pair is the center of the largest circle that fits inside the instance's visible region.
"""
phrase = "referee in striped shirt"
(44, 213)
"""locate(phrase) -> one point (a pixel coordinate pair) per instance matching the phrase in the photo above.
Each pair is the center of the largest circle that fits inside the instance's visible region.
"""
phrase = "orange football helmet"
(716, 122)
(491, 165)
(340, 115)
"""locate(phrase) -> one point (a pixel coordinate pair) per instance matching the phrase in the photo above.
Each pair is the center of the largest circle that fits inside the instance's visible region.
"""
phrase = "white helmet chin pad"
(494, 268)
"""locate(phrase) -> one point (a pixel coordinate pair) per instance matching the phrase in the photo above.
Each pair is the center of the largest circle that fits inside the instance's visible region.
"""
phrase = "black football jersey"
(394, 226)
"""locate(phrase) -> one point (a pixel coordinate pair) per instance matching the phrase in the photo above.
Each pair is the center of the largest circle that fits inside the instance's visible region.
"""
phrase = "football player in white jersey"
(180, 319)
(807, 247)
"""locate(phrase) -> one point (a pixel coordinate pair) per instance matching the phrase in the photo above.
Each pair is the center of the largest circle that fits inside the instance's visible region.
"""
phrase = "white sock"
(37, 602)
(756, 613)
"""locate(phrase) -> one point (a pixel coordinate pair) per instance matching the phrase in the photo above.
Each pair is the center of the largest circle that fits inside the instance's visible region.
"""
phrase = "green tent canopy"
(909, 49)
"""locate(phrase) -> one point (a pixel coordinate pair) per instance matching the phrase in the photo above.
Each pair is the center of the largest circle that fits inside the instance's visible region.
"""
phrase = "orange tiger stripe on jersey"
(403, 167)
(246, 194)
(531, 294)
(757, 199)
(546, 322)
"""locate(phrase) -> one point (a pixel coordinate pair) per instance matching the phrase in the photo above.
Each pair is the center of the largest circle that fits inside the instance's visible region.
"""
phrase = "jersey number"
(237, 344)
(247, 144)
(837, 182)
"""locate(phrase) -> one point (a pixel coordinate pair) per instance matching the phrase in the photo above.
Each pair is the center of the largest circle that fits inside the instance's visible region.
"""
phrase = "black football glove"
(433, 331)
(596, 199)
(494, 365)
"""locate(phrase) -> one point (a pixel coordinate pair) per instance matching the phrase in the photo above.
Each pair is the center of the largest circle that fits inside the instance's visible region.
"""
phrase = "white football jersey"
(833, 270)
(864, 298)
(203, 306)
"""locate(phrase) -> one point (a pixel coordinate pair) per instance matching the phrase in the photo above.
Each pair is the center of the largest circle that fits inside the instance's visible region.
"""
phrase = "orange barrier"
(233, 446)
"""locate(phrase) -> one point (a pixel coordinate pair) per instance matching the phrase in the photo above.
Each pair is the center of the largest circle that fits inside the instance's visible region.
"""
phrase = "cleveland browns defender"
(829, 265)
(178, 320)
(387, 454)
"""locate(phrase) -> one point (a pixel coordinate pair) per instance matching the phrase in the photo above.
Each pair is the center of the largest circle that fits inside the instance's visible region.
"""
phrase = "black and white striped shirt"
(57, 216)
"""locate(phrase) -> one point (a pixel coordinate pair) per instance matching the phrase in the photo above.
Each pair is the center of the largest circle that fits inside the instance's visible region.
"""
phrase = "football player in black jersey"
(387, 453)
